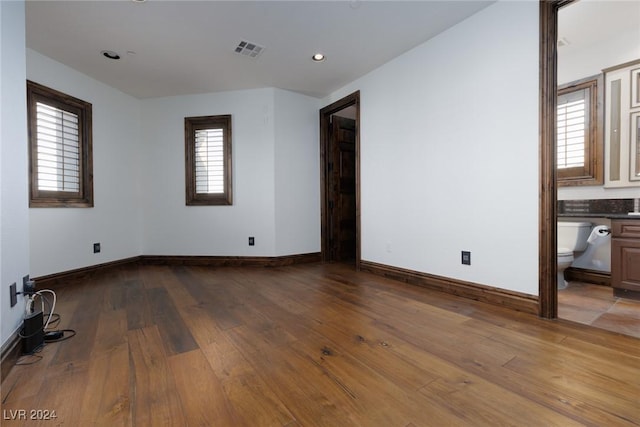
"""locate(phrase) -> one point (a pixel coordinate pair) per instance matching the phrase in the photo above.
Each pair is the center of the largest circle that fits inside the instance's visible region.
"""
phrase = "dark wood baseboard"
(626, 293)
(10, 355)
(508, 299)
(230, 261)
(58, 280)
(588, 276)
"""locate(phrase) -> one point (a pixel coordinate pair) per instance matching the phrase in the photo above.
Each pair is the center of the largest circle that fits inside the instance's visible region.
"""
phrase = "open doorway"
(595, 63)
(340, 180)
(553, 37)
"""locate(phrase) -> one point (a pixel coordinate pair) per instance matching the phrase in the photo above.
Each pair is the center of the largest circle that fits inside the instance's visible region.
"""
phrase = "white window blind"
(209, 150)
(573, 127)
(58, 149)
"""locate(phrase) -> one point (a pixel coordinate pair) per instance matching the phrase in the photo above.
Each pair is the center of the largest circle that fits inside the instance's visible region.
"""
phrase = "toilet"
(572, 238)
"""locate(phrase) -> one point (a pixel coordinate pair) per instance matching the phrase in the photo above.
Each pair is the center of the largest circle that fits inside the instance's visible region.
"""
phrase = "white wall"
(62, 238)
(14, 226)
(275, 152)
(171, 227)
(297, 173)
(449, 152)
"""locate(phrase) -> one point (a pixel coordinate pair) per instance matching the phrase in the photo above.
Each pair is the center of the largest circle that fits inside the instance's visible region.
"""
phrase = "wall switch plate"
(466, 257)
(252, 241)
(14, 294)
(96, 248)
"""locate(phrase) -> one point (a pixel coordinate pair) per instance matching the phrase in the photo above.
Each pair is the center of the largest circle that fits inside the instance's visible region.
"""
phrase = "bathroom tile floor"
(595, 305)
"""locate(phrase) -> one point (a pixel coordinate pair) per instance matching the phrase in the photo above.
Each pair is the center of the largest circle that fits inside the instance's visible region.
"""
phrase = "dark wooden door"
(342, 189)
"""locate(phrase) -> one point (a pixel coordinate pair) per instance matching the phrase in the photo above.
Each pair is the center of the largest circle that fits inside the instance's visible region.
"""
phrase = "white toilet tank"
(573, 235)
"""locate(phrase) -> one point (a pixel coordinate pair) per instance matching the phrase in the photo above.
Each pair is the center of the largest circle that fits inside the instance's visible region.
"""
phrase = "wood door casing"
(350, 104)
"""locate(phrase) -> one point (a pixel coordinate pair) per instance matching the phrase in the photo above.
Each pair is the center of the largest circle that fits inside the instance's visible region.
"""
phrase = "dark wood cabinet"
(625, 258)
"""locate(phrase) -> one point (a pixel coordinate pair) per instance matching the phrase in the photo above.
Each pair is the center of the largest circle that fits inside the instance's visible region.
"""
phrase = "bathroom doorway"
(340, 180)
(562, 30)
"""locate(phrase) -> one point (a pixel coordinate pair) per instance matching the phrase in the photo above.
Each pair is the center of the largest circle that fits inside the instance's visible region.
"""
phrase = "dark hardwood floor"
(313, 345)
(596, 305)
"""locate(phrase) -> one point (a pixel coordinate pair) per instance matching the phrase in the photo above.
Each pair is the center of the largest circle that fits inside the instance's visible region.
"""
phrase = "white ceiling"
(187, 47)
(587, 22)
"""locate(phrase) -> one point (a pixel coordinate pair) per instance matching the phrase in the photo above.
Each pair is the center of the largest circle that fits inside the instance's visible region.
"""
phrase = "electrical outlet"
(466, 257)
(14, 294)
(252, 241)
(96, 248)
(29, 287)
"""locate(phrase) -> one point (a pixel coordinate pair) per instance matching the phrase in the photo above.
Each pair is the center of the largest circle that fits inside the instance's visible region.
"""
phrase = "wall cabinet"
(625, 258)
(622, 125)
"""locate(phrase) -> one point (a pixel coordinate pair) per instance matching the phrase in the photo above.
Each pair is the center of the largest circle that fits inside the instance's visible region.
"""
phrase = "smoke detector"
(250, 49)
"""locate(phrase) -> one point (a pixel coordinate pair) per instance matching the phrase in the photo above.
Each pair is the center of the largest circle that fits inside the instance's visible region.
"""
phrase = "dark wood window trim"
(192, 125)
(592, 173)
(37, 93)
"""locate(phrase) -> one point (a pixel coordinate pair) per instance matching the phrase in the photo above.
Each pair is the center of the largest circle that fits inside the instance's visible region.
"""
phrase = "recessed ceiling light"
(110, 54)
(318, 57)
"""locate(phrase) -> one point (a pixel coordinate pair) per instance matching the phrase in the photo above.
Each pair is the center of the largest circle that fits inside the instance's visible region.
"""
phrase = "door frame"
(325, 118)
(548, 215)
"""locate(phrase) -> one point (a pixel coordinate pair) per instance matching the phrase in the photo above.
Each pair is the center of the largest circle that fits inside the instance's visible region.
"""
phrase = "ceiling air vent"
(249, 49)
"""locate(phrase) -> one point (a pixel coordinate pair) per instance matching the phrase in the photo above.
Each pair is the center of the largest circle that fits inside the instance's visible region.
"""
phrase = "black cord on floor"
(64, 337)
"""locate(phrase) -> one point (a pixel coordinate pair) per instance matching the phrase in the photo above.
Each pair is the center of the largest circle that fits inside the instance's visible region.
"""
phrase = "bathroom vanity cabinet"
(625, 258)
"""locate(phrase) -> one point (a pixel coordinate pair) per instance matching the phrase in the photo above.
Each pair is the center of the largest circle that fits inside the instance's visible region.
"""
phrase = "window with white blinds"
(60, 149)
(58, 152)
(580, 132)
(573, 127)
(208, 160)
